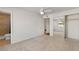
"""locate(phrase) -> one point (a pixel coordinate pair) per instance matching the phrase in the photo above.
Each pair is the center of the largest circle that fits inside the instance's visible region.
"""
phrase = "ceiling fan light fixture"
(42, 13)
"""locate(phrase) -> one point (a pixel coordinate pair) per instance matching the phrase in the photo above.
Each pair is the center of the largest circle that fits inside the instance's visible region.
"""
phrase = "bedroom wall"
(24, 24)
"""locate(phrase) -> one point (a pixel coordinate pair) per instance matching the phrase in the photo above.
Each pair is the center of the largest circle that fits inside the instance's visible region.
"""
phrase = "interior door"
(4, 23)
(73, 26)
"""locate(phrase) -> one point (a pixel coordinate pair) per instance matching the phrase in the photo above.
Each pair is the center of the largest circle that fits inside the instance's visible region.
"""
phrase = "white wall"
(59, 14)
(68, 12)
(25, 24)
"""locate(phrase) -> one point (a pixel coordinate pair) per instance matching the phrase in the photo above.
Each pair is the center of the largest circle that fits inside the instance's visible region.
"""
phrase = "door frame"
(11, 21)
(66, 25)
(45, 26)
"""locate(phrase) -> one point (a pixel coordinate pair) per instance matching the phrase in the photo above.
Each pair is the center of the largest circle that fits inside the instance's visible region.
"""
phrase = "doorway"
(46, 26)
(58, 26)
(5, 28)
(72, 26)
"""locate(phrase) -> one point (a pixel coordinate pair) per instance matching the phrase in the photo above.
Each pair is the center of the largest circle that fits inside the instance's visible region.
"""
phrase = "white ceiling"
(50, 9)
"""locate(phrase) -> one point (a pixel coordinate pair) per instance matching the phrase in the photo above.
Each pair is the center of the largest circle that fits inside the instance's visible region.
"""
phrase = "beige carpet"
(44, 43)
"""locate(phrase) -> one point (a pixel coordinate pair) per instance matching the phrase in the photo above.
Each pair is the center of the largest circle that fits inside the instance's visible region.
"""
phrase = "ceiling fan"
(44, 11)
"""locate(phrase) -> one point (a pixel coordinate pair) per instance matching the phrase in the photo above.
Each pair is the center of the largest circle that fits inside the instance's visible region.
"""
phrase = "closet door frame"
(66, 26)
(11, 22)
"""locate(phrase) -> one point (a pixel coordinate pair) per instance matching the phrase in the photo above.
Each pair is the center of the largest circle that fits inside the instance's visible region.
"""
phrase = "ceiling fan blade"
(42, 11)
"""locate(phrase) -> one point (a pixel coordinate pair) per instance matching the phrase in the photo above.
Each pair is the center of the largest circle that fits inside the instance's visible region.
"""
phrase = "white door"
(73, 26)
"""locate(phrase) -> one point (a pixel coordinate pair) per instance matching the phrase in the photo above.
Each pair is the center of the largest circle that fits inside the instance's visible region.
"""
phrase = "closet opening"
(5, 28)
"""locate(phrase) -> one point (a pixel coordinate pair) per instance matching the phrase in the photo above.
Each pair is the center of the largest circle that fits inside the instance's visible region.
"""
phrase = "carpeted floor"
(44, 43)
